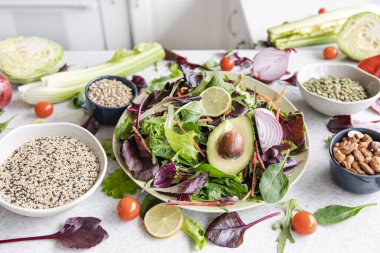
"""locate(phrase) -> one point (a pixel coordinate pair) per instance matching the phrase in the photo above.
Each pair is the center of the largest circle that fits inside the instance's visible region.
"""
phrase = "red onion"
(5, 92)
(270, 64)
(376, 106)
(269, 130)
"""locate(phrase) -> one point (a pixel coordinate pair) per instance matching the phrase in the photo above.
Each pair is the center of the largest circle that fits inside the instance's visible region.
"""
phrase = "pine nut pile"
(110, 93)
(48, 172)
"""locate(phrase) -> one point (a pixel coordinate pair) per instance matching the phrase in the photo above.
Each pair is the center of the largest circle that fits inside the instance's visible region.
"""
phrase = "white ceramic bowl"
(332, 107)
(20, 135)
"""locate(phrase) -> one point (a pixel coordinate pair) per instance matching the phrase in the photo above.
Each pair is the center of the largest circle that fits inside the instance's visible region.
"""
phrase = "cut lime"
(163, 221)
(215, 101)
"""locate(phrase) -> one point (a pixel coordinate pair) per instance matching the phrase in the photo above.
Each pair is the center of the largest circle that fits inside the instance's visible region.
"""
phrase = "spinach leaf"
(148, 202)
(182, 144)
(335, 213)
(195, 232)
(78, 100)
(123, 130)
(214, 172)
(274, 183)
(118, 184)
(227, 230)
(284, 224)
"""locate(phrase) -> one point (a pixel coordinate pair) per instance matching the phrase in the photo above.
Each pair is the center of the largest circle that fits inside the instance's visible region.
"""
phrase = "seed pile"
(338, 88)
(48, 172)
(111, 93)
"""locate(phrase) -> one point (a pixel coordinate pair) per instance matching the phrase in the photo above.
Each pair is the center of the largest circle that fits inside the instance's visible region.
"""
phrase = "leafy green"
(195, 232)
(1, 112)
(118, 184)
(107, 146)
(274, 183)
(213, 172)
(191, 112)
(284, 224)
(175, 71)
(148, 202)
(78, 100)
(182, 144)
(159, 83)
(220, 188)
(211, 79)
(329, 139)
(123, 130)
(335, 213)
(3, 125)
(211, 63)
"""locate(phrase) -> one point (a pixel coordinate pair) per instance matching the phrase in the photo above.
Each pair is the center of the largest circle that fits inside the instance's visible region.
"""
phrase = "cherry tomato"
(304, 223)
(330, 53)
(322, 10)
(128, 208)
(44, 109)
(226, 64)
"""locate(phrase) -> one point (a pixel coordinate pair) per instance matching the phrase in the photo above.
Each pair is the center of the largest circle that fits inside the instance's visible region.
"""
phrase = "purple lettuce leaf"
(193, 79)
(141, 168)
(274, 155)
(164, 177)
(227, 230)
(188, 186)
(238, 109)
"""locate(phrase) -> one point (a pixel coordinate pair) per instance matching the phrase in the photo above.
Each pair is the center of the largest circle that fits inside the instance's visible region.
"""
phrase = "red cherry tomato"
(226, 64)
(44, 109)
(322, 10)
(330, 53)
(5, 92)
(128, 208)
(304, 223)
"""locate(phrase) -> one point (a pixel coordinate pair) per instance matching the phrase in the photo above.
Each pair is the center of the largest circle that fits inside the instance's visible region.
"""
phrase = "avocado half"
(230, 145)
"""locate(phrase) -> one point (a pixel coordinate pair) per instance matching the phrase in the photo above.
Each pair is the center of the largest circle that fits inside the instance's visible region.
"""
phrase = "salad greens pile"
(170, 141)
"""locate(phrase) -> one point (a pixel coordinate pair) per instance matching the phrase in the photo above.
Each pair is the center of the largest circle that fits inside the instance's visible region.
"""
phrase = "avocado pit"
(231, 145)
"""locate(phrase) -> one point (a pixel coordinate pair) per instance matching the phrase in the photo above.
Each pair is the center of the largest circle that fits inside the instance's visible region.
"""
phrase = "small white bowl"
(333, 107)
(20, 135)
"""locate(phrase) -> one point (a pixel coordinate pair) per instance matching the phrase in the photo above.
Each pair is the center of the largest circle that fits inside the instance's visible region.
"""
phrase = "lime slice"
(163, 221)
(215, 101)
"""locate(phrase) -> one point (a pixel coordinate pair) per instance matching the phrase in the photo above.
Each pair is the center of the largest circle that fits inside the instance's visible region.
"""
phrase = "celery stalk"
(123, 63)
(317, 29)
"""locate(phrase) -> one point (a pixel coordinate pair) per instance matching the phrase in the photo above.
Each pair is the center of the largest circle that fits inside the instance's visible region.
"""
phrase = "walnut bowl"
(356, 183)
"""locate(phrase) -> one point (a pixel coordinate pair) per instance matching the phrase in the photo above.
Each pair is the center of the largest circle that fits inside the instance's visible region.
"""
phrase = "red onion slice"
(270, 64)
(269, 130)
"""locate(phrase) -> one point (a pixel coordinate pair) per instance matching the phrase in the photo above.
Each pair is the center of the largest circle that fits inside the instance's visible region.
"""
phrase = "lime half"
(215, 101)
(163, 221)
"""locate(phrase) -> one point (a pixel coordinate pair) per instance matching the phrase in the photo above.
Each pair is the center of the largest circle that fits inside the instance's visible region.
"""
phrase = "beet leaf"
(77, 233)
(341, 122)
(293, 126)
(165, 176)
(189, 186)
(91, 125)
(227, 230)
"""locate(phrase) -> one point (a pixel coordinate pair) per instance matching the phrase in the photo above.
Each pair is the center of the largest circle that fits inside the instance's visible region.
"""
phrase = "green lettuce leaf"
(182, 144)
(118, 184)
(107, 146)
(123, 130)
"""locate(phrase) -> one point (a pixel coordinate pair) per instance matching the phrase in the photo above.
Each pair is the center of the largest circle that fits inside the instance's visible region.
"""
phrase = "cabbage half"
(27, 59)
(359, 38)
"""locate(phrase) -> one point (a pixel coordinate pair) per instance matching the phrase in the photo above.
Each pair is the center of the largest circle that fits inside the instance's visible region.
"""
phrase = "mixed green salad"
(208, 140)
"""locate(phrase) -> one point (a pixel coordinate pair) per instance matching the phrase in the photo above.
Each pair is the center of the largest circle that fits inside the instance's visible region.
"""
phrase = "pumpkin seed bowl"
(330, 106)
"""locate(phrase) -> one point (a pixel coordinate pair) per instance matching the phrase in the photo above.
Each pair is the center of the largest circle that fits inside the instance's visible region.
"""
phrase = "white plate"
(20, 135)
(261, 88)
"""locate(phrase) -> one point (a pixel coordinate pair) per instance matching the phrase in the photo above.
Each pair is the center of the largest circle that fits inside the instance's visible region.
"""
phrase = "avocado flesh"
(242, 125)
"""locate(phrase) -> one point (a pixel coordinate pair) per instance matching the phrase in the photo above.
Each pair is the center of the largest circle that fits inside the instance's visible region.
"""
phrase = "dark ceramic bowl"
(107, 114)
(349, 181)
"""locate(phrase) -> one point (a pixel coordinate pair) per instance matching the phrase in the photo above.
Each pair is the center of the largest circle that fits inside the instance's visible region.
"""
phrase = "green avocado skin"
(242, 125)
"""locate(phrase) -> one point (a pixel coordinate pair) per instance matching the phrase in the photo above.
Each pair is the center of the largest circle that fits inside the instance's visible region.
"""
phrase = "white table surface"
(314, 190)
